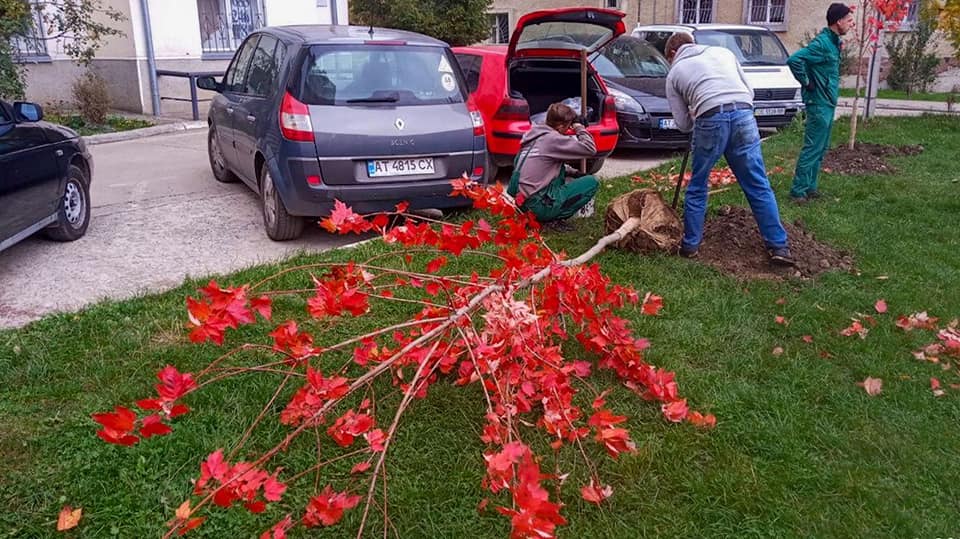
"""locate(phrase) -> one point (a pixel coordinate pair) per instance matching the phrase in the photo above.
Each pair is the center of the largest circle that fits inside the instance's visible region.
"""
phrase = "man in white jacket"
(710, 96)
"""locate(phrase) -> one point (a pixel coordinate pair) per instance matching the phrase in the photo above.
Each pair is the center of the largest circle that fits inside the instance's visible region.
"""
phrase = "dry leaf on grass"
(68, 518)
(873, 386)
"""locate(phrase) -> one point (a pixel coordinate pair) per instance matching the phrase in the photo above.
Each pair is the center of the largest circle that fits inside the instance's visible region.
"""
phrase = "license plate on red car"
(400, 167)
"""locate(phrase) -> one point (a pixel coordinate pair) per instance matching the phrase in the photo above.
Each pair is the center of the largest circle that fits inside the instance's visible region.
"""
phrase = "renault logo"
(399, 124)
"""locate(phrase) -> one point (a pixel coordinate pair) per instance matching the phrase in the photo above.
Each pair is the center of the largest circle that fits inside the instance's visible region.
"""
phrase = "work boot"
(689, 252)
(780, 256)
(813, 195)
(799, 201)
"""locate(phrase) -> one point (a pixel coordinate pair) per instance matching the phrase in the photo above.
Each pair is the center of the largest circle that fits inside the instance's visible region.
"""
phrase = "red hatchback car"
(511, 84)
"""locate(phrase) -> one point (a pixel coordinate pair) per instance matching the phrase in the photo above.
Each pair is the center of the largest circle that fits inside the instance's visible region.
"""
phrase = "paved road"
(159, 217)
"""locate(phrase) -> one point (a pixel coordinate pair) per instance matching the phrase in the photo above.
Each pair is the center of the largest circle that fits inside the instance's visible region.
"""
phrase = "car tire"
(594, 165)
(217, 162)
(280, 225)
(73, 216)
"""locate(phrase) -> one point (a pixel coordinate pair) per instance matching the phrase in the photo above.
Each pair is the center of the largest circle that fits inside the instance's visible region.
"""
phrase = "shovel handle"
(683, 170)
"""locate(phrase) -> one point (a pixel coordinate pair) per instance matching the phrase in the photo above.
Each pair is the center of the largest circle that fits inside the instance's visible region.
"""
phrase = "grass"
(941, 97)
(112, 125)
(799, 451)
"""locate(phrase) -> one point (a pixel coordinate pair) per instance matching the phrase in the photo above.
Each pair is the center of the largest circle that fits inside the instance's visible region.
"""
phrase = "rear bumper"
(306, 200)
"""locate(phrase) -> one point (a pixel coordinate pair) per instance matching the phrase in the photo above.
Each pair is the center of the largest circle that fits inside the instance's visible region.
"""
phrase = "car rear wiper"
(376, 99)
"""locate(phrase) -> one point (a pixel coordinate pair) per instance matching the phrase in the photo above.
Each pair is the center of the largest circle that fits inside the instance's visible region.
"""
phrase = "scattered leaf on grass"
(935, 386)
(807, 339)
(596, 493)
(781, 301)
(68, 518)
(873, 386)
(778, 351)
(855, 328)
(780, 320)
(882, 277)
(880, 306)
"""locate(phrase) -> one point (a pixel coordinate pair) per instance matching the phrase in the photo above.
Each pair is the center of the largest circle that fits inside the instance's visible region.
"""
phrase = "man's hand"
(577, 126)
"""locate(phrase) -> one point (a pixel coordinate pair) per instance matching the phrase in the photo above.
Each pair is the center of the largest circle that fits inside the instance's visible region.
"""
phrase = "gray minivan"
(306, 115)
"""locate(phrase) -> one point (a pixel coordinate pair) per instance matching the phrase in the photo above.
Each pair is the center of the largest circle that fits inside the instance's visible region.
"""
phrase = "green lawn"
(799, 450)
(899, 94)
(112, 125)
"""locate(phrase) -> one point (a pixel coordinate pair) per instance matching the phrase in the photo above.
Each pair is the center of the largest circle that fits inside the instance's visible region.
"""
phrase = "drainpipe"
(334, 19)
(151, 57)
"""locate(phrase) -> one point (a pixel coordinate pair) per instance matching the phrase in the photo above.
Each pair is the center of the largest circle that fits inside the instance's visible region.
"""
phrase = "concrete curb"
(134, 134)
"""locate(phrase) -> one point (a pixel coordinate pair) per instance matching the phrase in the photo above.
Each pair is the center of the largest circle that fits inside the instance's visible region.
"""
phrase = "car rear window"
(584, 35)
(356, 75)
(630, 57)
(751, 47)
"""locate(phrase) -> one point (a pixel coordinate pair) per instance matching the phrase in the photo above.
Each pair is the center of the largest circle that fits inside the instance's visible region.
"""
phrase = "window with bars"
(909, 21)
(696, 11)
(31, 43)
(225, 23)
(767, 12)
(499, 27)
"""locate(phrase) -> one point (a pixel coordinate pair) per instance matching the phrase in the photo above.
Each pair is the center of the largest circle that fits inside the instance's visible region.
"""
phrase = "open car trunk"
(545, 81)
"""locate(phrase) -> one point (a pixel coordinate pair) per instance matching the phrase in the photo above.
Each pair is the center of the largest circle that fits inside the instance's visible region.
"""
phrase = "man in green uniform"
(817, 68)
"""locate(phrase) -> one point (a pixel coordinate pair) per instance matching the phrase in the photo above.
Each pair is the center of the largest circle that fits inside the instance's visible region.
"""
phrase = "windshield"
(578, 34)
(379, 74)
(629, 57)
(751, 47)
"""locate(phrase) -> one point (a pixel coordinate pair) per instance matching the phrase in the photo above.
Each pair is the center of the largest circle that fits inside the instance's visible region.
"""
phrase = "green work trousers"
(561, 199)
(816, 142)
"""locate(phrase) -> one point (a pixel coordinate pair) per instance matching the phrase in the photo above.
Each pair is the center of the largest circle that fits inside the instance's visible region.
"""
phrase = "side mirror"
(209, 83)
(28, 112)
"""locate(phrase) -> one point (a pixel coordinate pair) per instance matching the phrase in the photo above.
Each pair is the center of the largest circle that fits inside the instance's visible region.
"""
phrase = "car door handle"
(251, 118)
(229, 110)
(59, 153)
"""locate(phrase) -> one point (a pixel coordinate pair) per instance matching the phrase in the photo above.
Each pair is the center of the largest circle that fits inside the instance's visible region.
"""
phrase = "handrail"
(192, 76)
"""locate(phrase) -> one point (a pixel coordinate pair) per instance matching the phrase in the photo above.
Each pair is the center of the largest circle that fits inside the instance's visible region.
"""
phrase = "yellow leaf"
(69, 518)
(183, 512)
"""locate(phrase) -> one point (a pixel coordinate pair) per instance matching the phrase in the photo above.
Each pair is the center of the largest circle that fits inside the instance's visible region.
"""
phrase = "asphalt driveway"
(158, 218)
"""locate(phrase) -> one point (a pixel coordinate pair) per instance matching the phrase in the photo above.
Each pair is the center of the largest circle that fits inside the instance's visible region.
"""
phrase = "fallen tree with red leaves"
(504, 331)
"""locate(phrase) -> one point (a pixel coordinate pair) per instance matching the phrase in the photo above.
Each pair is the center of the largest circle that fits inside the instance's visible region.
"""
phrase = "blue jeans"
(733, 134)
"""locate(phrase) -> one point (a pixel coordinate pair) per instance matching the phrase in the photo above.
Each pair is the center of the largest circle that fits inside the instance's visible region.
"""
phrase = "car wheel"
(279, 224)
(217, 162)
(594, 165)
(74, 213)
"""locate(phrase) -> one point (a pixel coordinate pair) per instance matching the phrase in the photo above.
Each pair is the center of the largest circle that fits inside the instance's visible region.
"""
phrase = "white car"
(776, 94)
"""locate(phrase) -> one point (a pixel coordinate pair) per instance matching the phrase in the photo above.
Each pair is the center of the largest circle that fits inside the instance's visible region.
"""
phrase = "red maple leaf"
(326, 509)
(434, 265)
(703, 421)
(348, 426)
(675, 411)
(595, 493)
(153, 426)
(652, 304)
(880, 306)
(279, 530)
(118, 426)
(173, 384)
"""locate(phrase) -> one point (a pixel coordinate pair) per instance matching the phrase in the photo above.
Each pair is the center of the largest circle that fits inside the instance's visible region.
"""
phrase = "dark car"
(307, 115)
(45, 172)
(636, 76)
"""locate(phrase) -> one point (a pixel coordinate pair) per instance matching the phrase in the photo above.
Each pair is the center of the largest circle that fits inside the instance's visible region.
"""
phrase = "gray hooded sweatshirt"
(701, 78)
(546, 151)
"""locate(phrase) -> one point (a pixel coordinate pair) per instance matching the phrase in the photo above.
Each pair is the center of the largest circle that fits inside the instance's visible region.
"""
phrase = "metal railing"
(192, 76)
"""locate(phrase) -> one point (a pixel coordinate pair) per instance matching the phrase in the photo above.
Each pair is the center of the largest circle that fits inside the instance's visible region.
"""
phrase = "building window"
(31, 43)
(696, 11)
(909, 22)
(225, 23)
(499, 27)
(612, 4)
(767, 12)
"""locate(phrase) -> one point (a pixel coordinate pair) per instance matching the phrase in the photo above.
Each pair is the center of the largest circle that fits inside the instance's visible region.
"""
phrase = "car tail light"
(477, 171)
(610, 108)
(512, 108)
(476, 118)
(295, 120)
(314, 181)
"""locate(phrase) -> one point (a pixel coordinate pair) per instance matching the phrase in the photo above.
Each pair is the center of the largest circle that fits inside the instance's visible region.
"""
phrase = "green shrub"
(912, 68)
(91, 98)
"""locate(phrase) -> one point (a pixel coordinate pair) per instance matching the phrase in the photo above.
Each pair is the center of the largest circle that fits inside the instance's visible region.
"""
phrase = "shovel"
(683, 170)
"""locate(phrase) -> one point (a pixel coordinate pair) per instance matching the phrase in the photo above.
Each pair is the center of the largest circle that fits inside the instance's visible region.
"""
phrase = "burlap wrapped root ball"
(660, 229)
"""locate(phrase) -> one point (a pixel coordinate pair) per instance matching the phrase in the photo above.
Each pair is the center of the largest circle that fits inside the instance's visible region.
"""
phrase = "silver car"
(306, 115)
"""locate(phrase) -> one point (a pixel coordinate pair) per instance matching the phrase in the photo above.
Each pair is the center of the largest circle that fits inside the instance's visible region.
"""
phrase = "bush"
(912, 69)
(91, 98)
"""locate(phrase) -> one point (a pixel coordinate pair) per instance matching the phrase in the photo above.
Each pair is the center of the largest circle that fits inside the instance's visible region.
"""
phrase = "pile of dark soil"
(865, 158)
(732, 243)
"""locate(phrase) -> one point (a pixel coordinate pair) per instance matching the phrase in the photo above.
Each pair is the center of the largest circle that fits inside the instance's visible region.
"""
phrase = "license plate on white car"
(780, 111)
(400, 167)
(668, 123)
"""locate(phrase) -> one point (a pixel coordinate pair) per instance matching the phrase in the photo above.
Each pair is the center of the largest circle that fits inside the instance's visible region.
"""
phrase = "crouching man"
(540, 172)
(709, 95)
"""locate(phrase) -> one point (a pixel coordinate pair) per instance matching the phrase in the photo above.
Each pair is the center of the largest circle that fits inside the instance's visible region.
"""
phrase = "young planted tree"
(876, 16)
(531, 334)
(458, 22)
(948, 17)
(79, 26)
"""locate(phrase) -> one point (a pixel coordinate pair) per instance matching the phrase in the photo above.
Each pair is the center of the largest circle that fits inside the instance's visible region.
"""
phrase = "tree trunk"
(856, 93)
